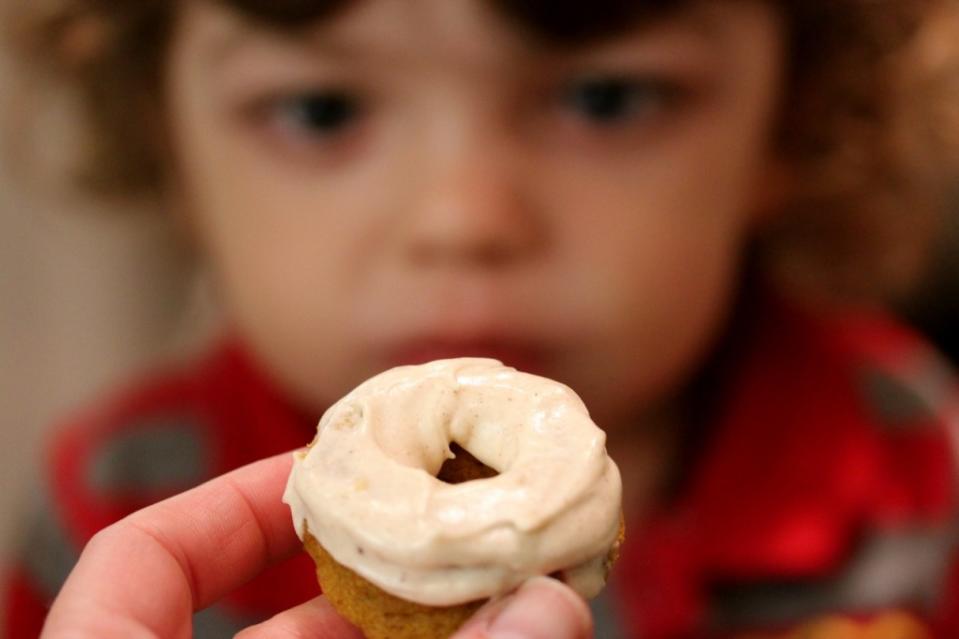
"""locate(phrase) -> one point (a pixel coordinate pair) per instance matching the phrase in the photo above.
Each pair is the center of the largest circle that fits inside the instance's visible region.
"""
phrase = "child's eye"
(613, 99)
(319, 113)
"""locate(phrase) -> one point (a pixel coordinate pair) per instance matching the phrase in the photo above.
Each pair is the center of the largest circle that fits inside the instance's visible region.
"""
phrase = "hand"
(147, 574)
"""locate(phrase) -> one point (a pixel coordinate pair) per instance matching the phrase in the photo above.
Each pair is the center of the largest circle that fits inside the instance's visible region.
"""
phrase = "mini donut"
(431, 489)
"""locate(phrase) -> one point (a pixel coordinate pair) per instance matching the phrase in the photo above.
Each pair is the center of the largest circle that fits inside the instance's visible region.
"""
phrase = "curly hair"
(868, 124)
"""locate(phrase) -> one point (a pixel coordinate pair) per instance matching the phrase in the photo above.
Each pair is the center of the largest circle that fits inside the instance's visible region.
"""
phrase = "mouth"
(521, 355)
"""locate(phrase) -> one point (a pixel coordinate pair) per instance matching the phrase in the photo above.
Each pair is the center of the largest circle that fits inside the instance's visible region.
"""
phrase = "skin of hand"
(146, 575)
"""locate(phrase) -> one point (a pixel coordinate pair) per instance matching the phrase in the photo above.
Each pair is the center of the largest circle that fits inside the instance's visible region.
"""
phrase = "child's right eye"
(612, 99)
(315, 114)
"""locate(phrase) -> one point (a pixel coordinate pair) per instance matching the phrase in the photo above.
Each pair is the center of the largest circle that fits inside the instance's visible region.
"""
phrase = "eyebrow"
(226, 45)
(246, 35)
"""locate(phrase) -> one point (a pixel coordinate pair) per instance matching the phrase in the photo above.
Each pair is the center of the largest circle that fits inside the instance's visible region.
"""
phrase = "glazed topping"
(366, 488)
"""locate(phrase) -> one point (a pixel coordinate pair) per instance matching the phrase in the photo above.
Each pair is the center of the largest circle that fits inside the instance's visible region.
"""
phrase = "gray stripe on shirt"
(164, 454)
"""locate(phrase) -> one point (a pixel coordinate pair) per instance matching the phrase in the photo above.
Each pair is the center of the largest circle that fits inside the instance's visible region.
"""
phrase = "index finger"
(148, 573)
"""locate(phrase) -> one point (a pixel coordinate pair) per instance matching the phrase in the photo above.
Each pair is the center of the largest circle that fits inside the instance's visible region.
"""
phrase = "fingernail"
(542, 608)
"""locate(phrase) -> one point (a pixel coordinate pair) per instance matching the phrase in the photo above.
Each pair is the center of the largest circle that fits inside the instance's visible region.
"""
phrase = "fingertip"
(542, 608)
(315, 619)
(559, 589)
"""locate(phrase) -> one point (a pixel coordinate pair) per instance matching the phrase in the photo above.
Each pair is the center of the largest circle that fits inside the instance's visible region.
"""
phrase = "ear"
(775, 185)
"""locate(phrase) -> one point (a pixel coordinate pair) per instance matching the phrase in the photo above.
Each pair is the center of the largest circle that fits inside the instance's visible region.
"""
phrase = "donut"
(431, 489)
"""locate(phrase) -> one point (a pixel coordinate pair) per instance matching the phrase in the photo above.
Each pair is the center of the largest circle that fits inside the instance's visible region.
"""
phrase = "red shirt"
(823, 504)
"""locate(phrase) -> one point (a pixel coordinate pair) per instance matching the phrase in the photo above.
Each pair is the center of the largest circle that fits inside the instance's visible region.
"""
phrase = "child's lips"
(522, 355)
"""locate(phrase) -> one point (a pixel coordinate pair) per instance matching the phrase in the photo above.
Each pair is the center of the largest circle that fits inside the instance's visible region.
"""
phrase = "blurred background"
(89, 292)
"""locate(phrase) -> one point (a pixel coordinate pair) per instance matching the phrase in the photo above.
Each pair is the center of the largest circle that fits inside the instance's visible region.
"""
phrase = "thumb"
(542, 608)
(314, 619)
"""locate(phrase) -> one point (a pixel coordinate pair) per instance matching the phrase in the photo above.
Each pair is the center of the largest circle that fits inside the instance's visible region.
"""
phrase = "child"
(661, 204)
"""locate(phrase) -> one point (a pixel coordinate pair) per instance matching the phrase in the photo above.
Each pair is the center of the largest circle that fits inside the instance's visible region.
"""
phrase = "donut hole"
(464, 467)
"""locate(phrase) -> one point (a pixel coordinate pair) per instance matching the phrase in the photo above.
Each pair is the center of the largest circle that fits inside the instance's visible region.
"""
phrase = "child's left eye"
(319, 113)
(606, 100)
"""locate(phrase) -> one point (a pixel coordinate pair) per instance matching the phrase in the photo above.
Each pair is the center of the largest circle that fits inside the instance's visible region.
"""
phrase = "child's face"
(416, 180)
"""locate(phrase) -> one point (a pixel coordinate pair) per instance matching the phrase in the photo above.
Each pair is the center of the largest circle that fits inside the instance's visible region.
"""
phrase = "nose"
(472, 210)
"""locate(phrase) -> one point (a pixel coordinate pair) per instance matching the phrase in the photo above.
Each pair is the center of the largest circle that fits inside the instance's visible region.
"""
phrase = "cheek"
(658, 308)
(295, 311)
(287, 256)
(655, 266)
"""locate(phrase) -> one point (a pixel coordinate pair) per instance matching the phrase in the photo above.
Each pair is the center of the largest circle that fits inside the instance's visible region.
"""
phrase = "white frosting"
(366, 488)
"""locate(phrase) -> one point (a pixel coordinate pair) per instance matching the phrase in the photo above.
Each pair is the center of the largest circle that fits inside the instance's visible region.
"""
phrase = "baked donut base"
(381, 615)
(377, 613)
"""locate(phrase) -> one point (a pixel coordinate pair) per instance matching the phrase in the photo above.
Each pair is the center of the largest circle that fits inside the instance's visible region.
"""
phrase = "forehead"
(492, 31)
